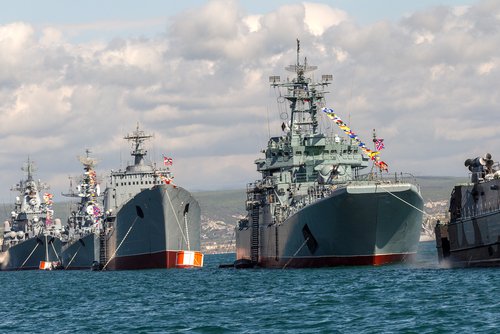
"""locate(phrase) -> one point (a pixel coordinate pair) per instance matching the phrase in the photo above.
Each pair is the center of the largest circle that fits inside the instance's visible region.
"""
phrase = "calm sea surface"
(417, 298)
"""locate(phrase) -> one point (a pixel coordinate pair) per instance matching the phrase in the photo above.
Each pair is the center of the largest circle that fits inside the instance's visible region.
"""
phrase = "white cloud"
(427, 84)
(15, 38)
(320, 17)
(253, 22)
(487, 67)
(423, 37)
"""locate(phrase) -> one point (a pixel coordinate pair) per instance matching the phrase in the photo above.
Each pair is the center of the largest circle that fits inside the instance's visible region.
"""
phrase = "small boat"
(472, 236)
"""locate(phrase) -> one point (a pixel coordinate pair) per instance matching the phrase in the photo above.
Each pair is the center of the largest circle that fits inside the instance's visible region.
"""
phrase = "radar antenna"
(29, 168)
(300, 69)
(137, 138)
(87, 161)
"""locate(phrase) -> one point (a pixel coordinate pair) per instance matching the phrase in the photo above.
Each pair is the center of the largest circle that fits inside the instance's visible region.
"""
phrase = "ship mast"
(88, 165)
(87, 162)
(303, 97)
(137, 138)
(29, 168)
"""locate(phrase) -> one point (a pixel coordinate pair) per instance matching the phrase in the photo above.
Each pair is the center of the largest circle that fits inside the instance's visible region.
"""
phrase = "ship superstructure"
(472, 236)
(85, 224)
(151, 222)
(31, 235)
(312, 207)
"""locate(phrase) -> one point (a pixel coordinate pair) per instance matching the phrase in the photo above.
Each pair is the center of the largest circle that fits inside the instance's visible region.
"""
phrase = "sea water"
(416, 298)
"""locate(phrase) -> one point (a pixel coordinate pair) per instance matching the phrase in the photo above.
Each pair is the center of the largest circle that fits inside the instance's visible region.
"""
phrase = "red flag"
(167, 161)
(379, 144)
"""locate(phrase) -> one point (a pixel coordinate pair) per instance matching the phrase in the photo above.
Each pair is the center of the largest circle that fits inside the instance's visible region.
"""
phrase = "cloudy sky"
(195, 74)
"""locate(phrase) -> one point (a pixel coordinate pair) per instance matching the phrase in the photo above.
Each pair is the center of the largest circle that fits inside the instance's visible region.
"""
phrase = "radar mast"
(137, 138)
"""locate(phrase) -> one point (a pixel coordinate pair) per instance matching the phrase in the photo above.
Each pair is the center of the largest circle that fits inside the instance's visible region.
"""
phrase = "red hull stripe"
(165, 259)
(332, 261)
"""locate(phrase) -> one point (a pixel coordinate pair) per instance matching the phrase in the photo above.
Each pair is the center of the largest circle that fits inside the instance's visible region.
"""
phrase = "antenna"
(138, 137)
(300, 69)
(29, 168)
(298, 52)
(86, 160)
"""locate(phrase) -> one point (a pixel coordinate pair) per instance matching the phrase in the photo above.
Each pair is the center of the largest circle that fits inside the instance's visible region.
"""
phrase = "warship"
(80, 249)
(472, 236)
(312, 206)
(31, 237)
(149, 221)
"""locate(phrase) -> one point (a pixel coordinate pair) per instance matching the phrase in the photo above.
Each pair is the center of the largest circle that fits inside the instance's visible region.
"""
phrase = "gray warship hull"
(152, 228)
(28, 254)
(472, 237)
(356, 225)
(82, 253)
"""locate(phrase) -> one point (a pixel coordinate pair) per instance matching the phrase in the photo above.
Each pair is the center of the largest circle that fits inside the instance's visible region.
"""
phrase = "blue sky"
(155, 14)
(77, 75)
(62, 11)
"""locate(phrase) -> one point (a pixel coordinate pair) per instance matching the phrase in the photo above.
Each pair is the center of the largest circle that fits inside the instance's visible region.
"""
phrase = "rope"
(187, 231)
(73, 256)
(176, 219)
(117, 248)
(54, 249)
(30, 254)
(298, 250)
(402, 200)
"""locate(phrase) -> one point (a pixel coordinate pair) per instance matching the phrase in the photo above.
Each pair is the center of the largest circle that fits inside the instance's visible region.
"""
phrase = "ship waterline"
(82, 253)
(312, 206)
(153, 227)
(145, 221)
(82, 241)
(357, 225)
(472, 236)
(149, 219)
(29, 254)
(31, 238)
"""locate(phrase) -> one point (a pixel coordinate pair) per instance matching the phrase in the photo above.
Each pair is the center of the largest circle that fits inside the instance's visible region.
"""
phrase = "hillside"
(436, 188)
(221, 210)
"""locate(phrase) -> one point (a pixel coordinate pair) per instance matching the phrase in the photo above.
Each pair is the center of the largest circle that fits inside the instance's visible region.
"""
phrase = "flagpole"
(374, 149)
